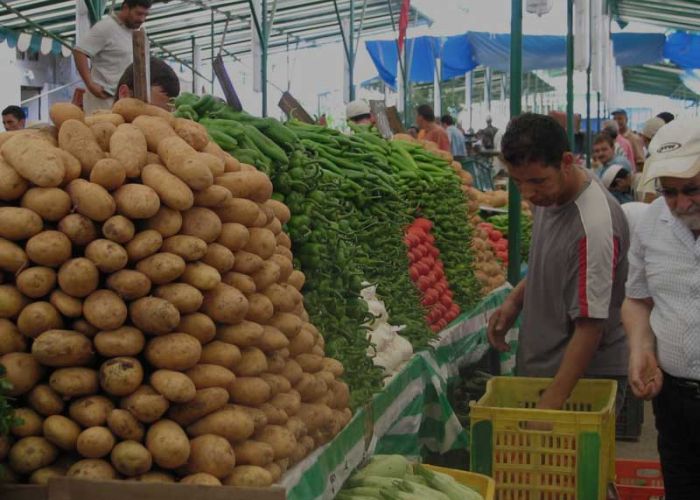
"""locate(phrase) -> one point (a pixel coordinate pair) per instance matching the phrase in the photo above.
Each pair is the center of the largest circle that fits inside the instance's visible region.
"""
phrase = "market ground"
(645, 448)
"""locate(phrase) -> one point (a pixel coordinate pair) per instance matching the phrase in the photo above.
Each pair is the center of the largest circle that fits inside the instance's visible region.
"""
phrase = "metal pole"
(263, 57)
(213, 75)
(598, 101)
(588, 89)
(516, 81)
(570, 71)
(351, 51)
(194, 71)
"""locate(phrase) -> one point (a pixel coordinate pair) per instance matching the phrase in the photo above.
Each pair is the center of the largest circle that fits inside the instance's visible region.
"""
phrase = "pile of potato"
(151, 322)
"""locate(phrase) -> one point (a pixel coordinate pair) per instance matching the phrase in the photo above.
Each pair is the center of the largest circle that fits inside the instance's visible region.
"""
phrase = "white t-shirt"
(110, 48)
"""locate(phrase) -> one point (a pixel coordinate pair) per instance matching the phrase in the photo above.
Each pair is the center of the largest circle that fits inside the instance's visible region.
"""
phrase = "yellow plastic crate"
(483, 485)
(574, 460)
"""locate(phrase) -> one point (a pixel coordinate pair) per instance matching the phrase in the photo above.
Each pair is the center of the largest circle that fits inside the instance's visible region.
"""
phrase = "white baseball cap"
(652, 126)
(610, 174)
(355, 108)
(674, 151)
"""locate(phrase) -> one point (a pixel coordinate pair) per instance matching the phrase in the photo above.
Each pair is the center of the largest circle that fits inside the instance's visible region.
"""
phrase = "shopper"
(620, 116)
(488, 135)
(574, 288)
(165, 85)
(458, 147)
(622, 145)
(109, 46)
(13, 118)
(651, 127)
(429, 130)
(359, 112)
(604, 154)
(618, 180)
(662, 311)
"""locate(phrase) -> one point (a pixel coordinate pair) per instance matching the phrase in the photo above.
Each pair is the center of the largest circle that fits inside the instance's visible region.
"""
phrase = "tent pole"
(516, 81)
(351, 50)
(194, 72)
(588, 90)
(570, 71)
(598, 101)
(263, 57)
(213, 75)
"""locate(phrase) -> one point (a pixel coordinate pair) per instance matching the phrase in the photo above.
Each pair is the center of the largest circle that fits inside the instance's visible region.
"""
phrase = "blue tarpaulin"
(539, 52)
(457, 57)
(385, 56)
(683, 49)
(634, 49)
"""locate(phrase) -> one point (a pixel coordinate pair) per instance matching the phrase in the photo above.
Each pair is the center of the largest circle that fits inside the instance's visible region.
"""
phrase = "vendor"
(109, 46)
(359, 112)
(165, 85)
(429, 129)
(574, 288)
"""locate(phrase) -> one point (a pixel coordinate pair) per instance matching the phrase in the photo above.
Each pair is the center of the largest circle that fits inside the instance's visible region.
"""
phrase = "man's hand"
(98, 91)
(645, 376)
(500, 322)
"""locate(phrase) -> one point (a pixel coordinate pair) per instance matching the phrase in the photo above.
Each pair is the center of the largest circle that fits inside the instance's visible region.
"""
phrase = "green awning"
(678, 14)
(658, 79)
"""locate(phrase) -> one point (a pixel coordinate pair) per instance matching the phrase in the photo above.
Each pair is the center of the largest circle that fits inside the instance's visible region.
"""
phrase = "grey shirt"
(457, 145)
(577, 269)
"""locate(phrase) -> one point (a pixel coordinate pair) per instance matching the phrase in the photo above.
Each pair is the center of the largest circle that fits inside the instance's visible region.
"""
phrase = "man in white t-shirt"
(109, 47)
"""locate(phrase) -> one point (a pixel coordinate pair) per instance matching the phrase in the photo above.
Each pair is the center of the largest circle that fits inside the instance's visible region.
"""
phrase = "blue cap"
(619, 112)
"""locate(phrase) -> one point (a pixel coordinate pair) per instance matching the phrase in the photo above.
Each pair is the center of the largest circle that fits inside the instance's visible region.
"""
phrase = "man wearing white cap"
(618, 180)
(359, 113)
(662, 311)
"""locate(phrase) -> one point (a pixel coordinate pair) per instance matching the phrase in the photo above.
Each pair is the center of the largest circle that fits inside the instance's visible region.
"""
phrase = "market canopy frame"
(678, 14)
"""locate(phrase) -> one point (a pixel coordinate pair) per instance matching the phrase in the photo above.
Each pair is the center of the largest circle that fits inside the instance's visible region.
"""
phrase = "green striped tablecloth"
(411, 413)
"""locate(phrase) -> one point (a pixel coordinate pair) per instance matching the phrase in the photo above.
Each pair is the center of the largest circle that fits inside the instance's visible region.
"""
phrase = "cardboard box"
(73, 489)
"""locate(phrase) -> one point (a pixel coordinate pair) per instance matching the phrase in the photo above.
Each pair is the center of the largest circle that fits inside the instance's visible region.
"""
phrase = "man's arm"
(645, 376)
(83, 67)
(579, 353)
(504, 317)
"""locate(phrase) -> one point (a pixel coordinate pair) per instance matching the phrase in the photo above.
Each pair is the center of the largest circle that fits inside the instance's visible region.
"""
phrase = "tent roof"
(173, 24)
(658, 79)
(679, 14)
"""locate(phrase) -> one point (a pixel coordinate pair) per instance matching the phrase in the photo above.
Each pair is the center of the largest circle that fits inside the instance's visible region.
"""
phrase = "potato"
(35, 160)
(292, 371)
(92, 469)
(37, 318)
(162, 267)
(225, 304)
(76, 138)
(241, 281)
(129, 285)
(155, 129)
(252, 452)
(275, 416)
(153, 315)
(91, 411)
(82, 326)
(79, 277)
(211, 454)
(183, 161)
(174, 351)
(260, 308)
(199, 325)
(201, 276)
(310, 388)
(11, 340)
(167, 222)
(341, 394)
(108, 173)
(61, 112)
(219, 257)
(239, 210)
(45, 400)
(276, 361)
(66, 305)
(257, 415)
(95, 442)
(231, 423)
(22, 371)
(11, 301)
(289, 324)
(51, 204)
(220, 353)
(91, 200)
(131, 458)
(280, 210)
(276, 382)
(262, 242)
(283, 297)
(104, 117)
(272, 340)
(202, 223)
(302, 343)
(103, 132)
(119, 229)
(130, 108)
(128, 146)
(285, 265)
(206, 401)
(19, 223)
(137, 201)
(334, 366)
(310, 363)
(172, 191)
(12, 257)
(234, 236)
(185, 297)
(252, 363)
(213, 196)
(230, 163)
(255, 186)
(49, 248)
(188, 247)
(274, 470)
(27, 423)
(124, 425)
(144, 244)
(34, 282)
(155, 477)
(124, 341)
(243, 334)
(249, 476)
(209, 375)
(62, 348)
(79, 229)
(280, 250)
(41, 477)
(105, 310)
(251, 391)
(267, 275)
(31, 453)
(192, 132)
(284, 241)
(74, 381)
(175, 386)
(316, 416)
(145, 404)
(13, 186)
(247, 263)
(121, 376)
(168, 444)
(202, 479)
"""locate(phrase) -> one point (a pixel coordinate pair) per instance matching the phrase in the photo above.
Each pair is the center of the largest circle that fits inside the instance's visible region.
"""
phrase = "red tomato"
(422, 267)
(446, 300)
(495, 235)
(502, 244)
(424, 283)
(423, 223)
(485, 225)
(413, 273)
(502, 255)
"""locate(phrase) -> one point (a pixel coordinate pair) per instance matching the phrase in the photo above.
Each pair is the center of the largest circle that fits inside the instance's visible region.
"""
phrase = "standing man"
(622, 145)
(458, 147)
(13, 118)
(620, 116)
(109, 47)
(488, 135)
(604, 154)
(429, 130)
(575, 284)
(662, 310)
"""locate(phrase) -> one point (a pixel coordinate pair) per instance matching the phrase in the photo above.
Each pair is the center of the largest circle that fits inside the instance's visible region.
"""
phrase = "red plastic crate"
(639, 480)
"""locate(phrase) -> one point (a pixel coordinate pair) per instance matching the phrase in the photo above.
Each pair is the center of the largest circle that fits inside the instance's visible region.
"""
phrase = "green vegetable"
(447, 485)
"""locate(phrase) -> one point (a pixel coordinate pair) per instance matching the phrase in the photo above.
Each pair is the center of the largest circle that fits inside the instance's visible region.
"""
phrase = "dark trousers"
(677, 411)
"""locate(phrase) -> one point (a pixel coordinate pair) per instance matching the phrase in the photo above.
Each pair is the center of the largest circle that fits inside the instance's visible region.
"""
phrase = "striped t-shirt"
(576, 269)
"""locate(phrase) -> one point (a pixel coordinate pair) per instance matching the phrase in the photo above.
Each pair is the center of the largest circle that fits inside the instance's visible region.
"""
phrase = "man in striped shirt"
(571, 297)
